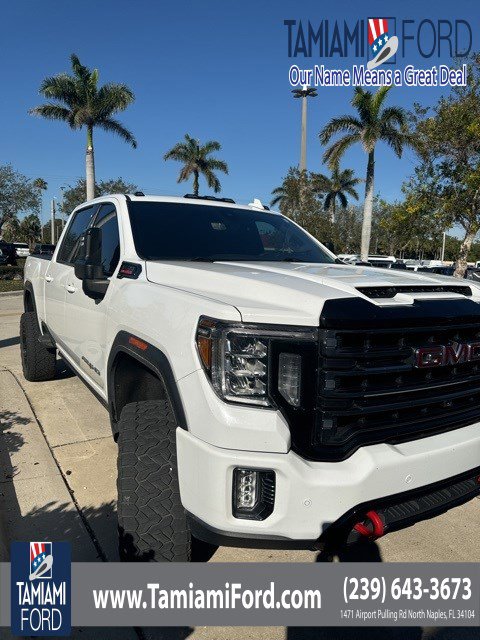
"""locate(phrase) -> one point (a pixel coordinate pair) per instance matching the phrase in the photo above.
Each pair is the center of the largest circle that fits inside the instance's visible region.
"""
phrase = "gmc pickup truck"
(261, 392)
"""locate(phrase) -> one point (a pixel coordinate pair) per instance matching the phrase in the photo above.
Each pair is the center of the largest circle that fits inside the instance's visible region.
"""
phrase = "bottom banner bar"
(234, 594)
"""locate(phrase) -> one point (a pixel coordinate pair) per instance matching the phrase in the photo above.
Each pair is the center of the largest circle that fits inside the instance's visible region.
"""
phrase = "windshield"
(171, 231)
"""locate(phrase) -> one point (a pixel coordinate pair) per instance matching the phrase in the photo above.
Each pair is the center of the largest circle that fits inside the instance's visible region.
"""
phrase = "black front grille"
(369, 390)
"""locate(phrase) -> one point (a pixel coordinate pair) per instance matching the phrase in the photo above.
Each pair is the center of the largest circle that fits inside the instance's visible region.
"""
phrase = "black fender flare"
(152, 358)
(28, 288)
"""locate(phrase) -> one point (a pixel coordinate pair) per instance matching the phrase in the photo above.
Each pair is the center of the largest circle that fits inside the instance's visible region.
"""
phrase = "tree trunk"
(90, 165)
(332, 211)
(368, 206)
(461, 263)
(195, 183)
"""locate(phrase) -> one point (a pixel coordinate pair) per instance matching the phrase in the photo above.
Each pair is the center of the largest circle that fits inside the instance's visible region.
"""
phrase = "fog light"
(253, 493)
(290, 377)
(246, 488)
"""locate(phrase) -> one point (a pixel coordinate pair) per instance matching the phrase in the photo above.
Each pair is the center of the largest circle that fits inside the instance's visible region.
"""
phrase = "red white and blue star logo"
(382, 44)
(41, 560)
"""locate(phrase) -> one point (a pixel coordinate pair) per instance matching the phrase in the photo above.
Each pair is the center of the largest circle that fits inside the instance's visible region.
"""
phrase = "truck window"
(174, 231)
(70, 244)
(107, 221)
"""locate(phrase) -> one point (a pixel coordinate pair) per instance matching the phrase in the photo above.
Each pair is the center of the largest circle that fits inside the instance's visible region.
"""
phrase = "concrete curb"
(11, 293)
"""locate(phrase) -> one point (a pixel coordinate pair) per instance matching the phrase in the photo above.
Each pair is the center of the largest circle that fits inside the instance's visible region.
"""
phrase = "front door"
(85, 318)
(58, 274)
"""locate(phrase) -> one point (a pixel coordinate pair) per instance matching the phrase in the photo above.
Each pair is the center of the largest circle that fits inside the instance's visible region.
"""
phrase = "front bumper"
(312, 496)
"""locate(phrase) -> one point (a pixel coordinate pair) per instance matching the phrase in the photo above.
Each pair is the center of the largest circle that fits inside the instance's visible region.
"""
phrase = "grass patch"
(11, 285)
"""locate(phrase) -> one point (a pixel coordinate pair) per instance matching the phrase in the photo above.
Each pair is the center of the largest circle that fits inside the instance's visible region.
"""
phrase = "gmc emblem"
(441, 356)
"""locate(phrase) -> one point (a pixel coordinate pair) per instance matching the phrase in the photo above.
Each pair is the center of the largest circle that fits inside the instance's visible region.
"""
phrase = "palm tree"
(80, 102)
(40, 184)
(372, 123)
(196, 161)
(338, 186)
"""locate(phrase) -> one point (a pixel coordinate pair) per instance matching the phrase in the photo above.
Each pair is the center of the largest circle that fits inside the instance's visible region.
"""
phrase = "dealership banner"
(286, 594)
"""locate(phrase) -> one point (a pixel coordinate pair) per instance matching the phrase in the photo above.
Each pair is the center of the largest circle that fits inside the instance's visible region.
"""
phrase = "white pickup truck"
(262, 393)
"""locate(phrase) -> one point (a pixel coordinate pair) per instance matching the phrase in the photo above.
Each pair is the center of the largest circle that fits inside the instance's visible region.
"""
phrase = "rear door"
(85, 318)
(58, 273)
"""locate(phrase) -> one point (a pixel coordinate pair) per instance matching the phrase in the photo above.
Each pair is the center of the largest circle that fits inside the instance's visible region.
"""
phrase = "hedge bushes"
(10, 285)
(7, 272)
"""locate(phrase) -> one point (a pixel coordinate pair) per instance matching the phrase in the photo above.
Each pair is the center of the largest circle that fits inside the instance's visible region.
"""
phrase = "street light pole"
(443, 245)
(52, 222)
(305, 93)
(62, 189)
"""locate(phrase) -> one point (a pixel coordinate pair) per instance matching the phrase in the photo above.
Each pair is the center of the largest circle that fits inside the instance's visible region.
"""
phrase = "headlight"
(238, 358)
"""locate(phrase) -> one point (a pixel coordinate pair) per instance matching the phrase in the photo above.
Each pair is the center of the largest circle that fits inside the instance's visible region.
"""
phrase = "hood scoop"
(391, 291)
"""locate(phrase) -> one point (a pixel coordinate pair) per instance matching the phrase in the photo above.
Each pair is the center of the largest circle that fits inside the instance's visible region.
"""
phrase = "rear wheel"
(152, 522)
(38, 361)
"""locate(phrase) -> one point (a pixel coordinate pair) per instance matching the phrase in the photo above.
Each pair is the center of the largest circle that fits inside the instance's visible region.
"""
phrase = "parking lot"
(58, 475)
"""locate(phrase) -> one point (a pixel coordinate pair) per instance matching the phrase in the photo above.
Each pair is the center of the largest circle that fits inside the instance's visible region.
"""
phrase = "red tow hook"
(377, 526)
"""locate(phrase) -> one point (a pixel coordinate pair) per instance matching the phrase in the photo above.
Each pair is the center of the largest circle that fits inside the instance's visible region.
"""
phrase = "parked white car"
(261, 392)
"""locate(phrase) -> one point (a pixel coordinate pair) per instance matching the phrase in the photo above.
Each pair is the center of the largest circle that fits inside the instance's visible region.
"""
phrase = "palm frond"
(217, 165)
(211, 145)
(328, 201)
(185, 172)
(112, 98)
(79, 70)
(179, 152)
(339, 124)
(362, 102)
(394, 139)
(53, 112)
(61, 87)
(113, 126)
(394, 115)
(333, 154)
(212, 180)
(379, 98)
(343, 199)
(351, 191)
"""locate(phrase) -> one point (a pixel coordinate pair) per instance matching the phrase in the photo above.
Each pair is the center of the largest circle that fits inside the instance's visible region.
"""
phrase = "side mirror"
(88, 267)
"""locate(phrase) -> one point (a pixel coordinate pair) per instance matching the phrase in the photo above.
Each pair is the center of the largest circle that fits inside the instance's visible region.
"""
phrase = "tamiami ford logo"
(40, 588)
(382, 44)
(382, 49)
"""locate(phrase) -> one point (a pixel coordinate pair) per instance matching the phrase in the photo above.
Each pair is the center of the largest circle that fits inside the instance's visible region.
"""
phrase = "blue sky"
(212, 69)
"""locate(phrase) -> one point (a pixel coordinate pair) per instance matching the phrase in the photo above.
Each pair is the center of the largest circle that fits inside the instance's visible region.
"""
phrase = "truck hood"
(290, 293)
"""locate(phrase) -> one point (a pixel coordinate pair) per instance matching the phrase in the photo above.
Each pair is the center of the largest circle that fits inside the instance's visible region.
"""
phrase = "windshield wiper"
(291, 260)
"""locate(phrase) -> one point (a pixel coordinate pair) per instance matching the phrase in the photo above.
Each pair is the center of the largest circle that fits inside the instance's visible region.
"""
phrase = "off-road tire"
(152, 522)
(38, 361)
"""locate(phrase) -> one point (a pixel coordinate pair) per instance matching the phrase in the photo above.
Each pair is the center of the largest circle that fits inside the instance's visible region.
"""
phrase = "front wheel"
(152, 522)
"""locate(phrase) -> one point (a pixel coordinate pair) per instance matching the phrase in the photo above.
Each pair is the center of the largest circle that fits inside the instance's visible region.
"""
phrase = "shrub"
(8, 272)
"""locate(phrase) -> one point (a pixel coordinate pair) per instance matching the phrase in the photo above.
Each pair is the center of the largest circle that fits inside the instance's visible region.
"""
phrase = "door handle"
(70, 288)
(48, 278)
